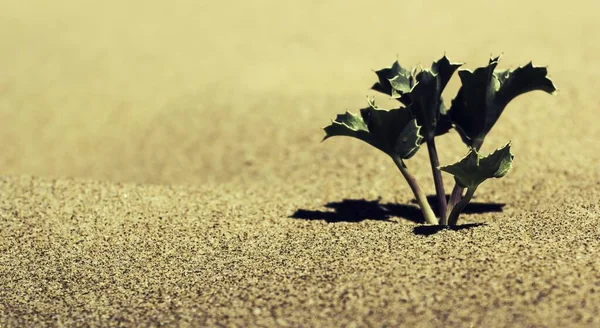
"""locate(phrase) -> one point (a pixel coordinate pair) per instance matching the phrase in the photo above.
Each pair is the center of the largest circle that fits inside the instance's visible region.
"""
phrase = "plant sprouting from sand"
(422, 116)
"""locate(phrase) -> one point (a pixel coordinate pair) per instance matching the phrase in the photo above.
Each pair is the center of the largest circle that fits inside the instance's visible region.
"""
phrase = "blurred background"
(212, 92)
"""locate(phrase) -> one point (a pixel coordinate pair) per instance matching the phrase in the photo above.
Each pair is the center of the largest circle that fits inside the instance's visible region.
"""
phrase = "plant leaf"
(395, 81)
(522, 80)
(425, 103)
(395, 131)
(426, 96)
(444, 124)
(444, 69)
(401, 83)
(348, 125)
(484, 94)
(409, 140)
(473, 169)
(469, 108)
(386, 74)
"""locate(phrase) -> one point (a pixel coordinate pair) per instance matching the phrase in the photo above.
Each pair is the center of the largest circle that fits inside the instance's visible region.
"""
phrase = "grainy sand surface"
(161, 166)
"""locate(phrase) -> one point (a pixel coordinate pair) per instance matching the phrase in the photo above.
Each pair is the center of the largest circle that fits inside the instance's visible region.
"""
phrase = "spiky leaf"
(426, 96)
(474, 168)
(391, 73)
(484, 94)
(426, 102)
(348, 125)
(409, 140)
(401, 83)
(395, 131)
(522, 80)
(444, 69)
(444, 124)
(395, 81)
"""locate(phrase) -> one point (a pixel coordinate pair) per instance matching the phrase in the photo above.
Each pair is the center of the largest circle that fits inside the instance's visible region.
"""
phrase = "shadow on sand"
(428, 230)
(472, 208)
(357, 210)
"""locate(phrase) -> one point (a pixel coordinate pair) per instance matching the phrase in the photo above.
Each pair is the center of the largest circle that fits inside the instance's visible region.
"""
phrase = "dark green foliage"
(480, 101)
(484, 94)
(395, 82)
(421, 90)
(474, 168)
(395, 131)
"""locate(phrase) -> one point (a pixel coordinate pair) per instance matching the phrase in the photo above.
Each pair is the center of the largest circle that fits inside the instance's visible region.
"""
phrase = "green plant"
(422, 116)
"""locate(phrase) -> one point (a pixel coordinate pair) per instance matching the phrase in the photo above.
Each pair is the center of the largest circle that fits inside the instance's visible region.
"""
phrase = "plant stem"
(456, 210)
(437, 178)
(455, 197)
(457, 191)
(419, 195)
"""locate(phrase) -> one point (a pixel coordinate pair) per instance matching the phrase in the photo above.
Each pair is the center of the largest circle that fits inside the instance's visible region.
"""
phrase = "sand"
(162, 166)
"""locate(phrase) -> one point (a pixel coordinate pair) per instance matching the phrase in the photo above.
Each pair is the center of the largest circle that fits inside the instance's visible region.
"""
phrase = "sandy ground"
(162, 166)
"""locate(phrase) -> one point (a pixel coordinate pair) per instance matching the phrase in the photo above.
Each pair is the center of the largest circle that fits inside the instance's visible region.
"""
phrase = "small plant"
(422, 116)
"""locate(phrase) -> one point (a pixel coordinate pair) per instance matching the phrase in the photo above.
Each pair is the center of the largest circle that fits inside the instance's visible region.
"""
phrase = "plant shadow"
(428, 230)
(357, 210)
(472, 207)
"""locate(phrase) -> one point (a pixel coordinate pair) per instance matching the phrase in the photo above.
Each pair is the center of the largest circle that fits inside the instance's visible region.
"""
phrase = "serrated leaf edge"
(478, 158)
(333, 121)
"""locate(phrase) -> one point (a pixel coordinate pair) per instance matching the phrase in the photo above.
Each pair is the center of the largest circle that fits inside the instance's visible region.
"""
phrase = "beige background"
(183, 92)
